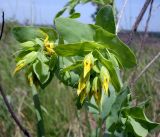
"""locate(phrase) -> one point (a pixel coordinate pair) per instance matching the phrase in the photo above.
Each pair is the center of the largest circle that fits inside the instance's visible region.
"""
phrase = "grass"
(60, 114)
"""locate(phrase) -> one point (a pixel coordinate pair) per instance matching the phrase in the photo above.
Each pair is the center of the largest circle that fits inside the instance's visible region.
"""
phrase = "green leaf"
(115, 46)
(23, 34)
(103, 2)
(29, 33)
(53, 36)
(30, 57)
(77, 49)
(73, 31)
(27, 45)
(107, 102)
(42, 71)
(60, 12)
(69, 78)
(75, 15)
(105, 19)
(120, 101)
(72, 67)
(112, 71)
(138, 114)
(76, 32)
(25, 60)
(53, 61)
(42, 57)
(137, 127)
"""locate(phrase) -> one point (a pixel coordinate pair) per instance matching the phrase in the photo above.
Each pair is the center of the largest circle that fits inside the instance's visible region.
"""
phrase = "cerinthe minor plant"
(87, 57)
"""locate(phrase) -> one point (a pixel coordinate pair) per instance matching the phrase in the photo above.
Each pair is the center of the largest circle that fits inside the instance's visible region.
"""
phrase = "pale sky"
(43, 11)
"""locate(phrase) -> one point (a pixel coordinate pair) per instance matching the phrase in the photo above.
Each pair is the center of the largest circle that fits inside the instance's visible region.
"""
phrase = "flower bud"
(105, 78)
(88, 64)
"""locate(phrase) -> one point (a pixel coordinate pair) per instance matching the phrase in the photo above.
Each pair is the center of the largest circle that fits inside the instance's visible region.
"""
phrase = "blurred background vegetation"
(62, 119)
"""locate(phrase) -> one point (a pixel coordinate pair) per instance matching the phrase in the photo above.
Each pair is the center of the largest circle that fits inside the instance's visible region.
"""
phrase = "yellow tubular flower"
(19, 66)
(96, 90)
(82, 84)
(105, 79)
(46, 39)
(97, 96)
(30, 80)
(88, 63)
(49, 46)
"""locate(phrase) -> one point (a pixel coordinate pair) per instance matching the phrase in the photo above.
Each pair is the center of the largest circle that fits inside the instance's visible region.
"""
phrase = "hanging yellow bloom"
(49, 46)
(96, 90)
(30, 57)
(88, 63)
(105, 79)
(82, 84)
(85, 92)
(19, 66)
(30, 79)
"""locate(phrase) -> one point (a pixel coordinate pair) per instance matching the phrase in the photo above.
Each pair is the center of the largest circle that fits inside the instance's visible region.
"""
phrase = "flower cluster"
(88, 85)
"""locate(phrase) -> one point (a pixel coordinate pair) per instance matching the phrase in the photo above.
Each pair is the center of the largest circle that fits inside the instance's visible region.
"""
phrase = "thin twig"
(2, 28)
(25, 132)
(141, 14)
(146, 29)
(133, 75)
(138, 20)
(146, 67)
(120, 15)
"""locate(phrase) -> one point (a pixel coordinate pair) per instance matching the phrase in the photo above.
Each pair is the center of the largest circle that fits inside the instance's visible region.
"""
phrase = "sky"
(43, 12)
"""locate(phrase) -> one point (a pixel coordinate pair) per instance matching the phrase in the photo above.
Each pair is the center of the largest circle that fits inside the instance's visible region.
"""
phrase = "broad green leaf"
(72, 67)
(137, 127)
(53, 61)
(23, 34)
(73, 31)
(69, 78)
(112, 71)
(120, 101)
(27, 59)
(105, 19)
(27, 45)
(107, 102)
(77, 49)
(53, 36)
(30, 57)
(115, 46)
(42, 71)
(138, 114)
(42, 57)
(92, 106)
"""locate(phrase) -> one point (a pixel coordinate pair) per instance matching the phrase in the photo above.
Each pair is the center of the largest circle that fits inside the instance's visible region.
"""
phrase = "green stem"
(37, 105)
(100, 129)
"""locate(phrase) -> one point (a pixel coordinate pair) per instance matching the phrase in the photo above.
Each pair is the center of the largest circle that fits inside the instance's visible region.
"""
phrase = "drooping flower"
(19, 66)
(105, 79)
(30, 57)
(85, 92)
(88, 64)
(49, 46)
(96, 90)
(82, 84)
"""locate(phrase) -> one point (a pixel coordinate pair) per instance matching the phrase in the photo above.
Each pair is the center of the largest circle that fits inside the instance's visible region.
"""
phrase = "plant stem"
(13, 115)
(40, 122)
(100, 127)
